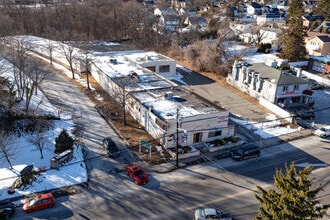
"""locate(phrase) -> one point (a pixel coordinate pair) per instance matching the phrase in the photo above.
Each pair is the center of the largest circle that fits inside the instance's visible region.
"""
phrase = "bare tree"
(257, 35)
(37, 73)
(19, 56)
(8, 151)
(121, 89)
(50, 47)
(87, 65)
(6, 24)
(70, 56)
(39, 141)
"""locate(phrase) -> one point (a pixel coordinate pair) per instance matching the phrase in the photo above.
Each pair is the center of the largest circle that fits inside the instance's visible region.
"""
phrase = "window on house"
(285, 88)
(214, 133)
(296, 87)
(164, 68)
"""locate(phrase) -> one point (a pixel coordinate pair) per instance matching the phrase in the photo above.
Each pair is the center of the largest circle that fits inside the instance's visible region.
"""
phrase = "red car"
(137, 174)
(41, 201)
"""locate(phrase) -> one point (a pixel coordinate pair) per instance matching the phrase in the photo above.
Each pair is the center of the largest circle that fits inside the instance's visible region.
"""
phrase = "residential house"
(180, 3)
(324, 27)
(241, 27)
(270, 35)
(254, 9)
(318, 45)
(149, 3)
(196, 23)
(262, 81)
(267, 18)
(309, 5)
(310, 18)
(168, 18)
(282, 5)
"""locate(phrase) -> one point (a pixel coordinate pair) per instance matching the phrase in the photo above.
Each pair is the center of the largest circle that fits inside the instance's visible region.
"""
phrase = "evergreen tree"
(63, 142)
(292, 40)
(291, 197)
(323, 9)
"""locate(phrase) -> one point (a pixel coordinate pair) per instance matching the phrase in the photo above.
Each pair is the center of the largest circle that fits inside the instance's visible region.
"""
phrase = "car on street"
(40, 201)
(303, 114)
(246, 152)
(7, 210)
(138, 175)
(323, 132)
(111, 147)
(211, 213)
(315, 85)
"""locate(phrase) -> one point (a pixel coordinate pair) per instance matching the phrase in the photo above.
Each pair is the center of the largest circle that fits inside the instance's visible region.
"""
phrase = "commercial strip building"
(157, 104)
(138, 80)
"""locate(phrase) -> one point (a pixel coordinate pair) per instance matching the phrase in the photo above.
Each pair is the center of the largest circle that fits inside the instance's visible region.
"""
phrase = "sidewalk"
(208, 156)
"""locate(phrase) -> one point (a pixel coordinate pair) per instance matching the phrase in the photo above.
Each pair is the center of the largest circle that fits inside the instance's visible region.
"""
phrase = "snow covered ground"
(71, 173)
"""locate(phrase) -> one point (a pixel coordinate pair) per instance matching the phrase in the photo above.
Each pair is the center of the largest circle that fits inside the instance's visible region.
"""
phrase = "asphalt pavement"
(222, 97)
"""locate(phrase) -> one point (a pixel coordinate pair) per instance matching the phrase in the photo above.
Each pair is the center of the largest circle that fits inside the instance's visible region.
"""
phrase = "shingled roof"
(275, 76)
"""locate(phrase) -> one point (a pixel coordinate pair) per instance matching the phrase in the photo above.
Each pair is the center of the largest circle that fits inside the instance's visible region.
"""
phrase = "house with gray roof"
(262, 81)
(254, 8)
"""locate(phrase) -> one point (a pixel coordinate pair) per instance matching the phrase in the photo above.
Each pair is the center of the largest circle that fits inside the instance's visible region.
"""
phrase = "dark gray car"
(111, 147)
(245, 152)
(7, 209)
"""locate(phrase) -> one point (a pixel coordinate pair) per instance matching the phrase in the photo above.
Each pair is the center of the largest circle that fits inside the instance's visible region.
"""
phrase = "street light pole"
(177, 138)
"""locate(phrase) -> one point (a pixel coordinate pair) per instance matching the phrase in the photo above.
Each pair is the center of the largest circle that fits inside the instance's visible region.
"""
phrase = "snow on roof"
(166, 102)
(125, 72)
(124, 68)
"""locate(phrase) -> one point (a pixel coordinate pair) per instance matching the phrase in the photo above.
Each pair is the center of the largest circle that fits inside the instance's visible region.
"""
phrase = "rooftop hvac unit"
(113, 61)
(168, 95)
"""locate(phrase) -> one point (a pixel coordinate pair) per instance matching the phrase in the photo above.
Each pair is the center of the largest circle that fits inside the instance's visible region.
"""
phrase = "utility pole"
(177, 138)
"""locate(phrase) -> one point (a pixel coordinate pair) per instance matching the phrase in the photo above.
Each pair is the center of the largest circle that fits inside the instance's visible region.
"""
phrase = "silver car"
(323, 132)
(211, 213)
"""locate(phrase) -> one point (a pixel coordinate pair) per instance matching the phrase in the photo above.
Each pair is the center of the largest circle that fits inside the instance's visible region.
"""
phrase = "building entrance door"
(197, 137)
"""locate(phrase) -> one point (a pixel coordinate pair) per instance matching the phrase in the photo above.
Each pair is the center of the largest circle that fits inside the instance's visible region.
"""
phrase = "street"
(225, 184)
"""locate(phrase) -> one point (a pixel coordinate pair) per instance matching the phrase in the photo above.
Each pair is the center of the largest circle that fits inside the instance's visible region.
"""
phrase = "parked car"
(40, 201)
(111, 147)
(7, 210)
(211, 213)
(138, 175)
(315, 85)
(323, 132)
(245, 152)
(303, 114)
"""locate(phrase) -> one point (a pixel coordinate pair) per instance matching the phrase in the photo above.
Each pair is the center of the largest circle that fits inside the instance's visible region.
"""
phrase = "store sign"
(223, 118)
